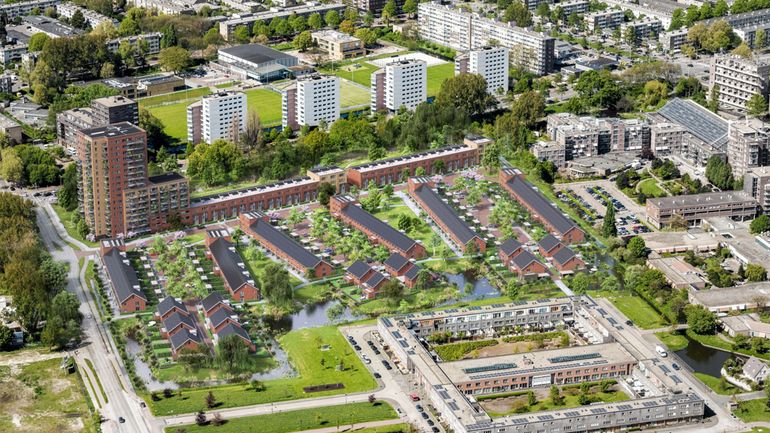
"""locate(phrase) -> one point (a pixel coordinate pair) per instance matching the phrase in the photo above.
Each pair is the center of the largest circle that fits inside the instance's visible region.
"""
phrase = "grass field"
(182, 95)
(173, 117)
(360, 72)
(570, 394)
(753, 410)
(674, 341)
(716, 384)
(636, 309)
(437, 74)
(40, 397)
(304, 348)
(301, 420)
(650, 188)
(352, 95)
(267, 104)
(66, 219)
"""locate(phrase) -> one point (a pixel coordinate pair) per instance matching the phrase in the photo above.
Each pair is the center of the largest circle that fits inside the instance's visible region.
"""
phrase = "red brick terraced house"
(124, 283)
(508, 250)
(213, 303)
(364, 276)
(527, 266)
(235, 329)
(540, 207)
(230, 266)
(402, 268)
(422, 191)
(221, 318)
(549, 245)
(257, 225)
(175, 323)
(168, 306)
(348, 211)
(184, 340)
(566, 261)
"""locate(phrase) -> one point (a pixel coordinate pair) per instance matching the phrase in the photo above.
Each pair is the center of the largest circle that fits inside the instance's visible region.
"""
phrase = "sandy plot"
(430, 60)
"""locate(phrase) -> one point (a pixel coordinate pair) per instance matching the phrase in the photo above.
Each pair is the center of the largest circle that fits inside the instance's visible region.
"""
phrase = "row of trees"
(29, 165)
(34, 280)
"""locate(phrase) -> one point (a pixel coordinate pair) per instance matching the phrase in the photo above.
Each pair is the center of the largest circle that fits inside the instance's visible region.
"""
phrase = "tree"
(6, 337)
(315, 21)
(719, 173)
(700, 320)
(275, 285)
(519, 13)
(543, 10)
(233, 354)
(11, 167)
(392, 289)
(325, 192)
(637, 247)
(389, 11)
(756, 105)
(742, 50)
(598, 88)
(200, 418)
(37, 41)
(466, 92)
(211, 401)
(241, 34)
(367, 36)
(761, 224)
(630, 36)
(332, 19)
(410, 7)
(78, 20)
(755, 272)
(555, 395)
(303, 41)
(372, 398)
(760, 39)
(174, 59)
(347, 26)
(609, 229)
(531, 399)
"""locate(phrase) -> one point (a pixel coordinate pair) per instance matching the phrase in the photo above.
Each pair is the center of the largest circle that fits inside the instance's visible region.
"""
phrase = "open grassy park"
(391, 213)
(650, 188)
(753, 410)
(41, 397)
(636, 309)
(301, 420)
(316, 354)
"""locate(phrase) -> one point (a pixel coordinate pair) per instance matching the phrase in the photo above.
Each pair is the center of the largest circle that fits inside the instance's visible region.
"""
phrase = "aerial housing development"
(385, 216)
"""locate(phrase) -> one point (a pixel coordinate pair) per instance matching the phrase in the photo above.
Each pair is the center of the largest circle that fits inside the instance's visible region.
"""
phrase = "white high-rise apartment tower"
(406, 84)
(492, 63)
(223, 115)
(318, 99)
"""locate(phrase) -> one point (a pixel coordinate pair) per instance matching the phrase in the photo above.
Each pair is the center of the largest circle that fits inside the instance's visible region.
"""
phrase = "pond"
(143, 371)
(311, 316)
(482, 288)
(704, 359)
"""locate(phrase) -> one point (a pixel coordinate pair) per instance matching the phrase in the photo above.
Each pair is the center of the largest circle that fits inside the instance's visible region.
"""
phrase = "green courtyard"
(321, 356)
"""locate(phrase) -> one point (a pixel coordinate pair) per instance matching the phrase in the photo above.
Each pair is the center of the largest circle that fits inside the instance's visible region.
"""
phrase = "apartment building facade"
(747, 145)
(114, 109)
(607, 19)
(693, 209)
(550, 151)
(406, 84)
(490, 62)
(466, 31)
(149, 43)
(20, 9)
(318, 100)
(739, 79)
(223, 116)
(643, 28)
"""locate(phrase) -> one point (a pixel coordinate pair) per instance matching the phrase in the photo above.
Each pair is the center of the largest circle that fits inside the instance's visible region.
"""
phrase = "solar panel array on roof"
(648, 404)
(572, 358)
(598, 410)
(545, 417)
(624, 407)
(452, 405)
(403, 343)
(572, 414)
(700, 122)
(491, 367)
(676, 379)
(665, 369)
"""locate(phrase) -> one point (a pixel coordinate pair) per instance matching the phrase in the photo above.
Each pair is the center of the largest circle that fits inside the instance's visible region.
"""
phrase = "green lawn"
(360, 72)
(437, 74)
(304, 348)
(173, 97)
(420, 231)
(267, 103)
(636, 309)
(570, 395)
(753, 410)
(395, 428)
(66, 219)
(174, 118)
(650, 188)
(301, 420)
(674, 342)
(716, 384)
(352, 95)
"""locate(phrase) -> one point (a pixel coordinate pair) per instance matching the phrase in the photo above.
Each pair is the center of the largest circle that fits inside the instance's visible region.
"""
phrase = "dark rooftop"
(211, 301)
(285, 243)
(165, 177)
(233, 329)
(255, 53)
(698, 120)
(378, 227)
(396, 261)
(176, 319)
(358, 269)
(180, 338)
(124, 280)
(113, 130)
(542, 206)
(228, 260)
(374, 279)
(510, 246)
(524, 258)
(457, 226)
(220, 316)
(549, 242)
(412, 273)
(563, 255)
(167, 304)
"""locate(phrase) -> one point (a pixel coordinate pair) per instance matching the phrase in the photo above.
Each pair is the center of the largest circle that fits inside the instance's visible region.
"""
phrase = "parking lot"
(400, 387)
(591, 198)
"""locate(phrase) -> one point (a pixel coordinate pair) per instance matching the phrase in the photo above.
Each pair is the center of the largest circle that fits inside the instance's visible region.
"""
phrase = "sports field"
(352, 95)
(267, 103)
(437, 74)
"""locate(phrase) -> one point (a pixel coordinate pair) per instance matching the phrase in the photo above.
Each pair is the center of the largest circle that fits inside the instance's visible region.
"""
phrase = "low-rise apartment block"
(739, 79)
(490, 62)
(607, 19)
(589, 136)
(465, 31)
(20, 9)
(643, 28)
(673, 40)
(168, 7)
(67, 10)
(148, 43)
(550, 151)
(338, 45)
(693, 209)
(577, 7)
(756, 183)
